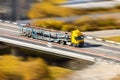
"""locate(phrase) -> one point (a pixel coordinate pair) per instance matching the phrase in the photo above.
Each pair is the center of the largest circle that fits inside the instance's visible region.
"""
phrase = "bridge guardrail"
(86, 36)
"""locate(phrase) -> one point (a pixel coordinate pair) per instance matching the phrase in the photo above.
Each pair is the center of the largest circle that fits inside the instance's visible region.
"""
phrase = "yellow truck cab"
(77, 38)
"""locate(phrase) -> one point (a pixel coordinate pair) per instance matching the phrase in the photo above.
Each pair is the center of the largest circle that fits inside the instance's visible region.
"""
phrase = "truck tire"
(74, 45)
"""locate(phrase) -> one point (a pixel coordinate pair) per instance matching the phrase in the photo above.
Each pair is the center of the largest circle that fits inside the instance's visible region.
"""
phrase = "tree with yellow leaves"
(48, 8)
(14, 68)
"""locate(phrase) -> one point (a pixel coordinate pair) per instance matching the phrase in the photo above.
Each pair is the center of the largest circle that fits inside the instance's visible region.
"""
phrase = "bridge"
(93, 50)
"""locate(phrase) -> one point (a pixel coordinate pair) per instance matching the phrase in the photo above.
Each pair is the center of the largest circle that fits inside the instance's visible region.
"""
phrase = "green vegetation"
(114, 38)
(83, 24)
(12, 68)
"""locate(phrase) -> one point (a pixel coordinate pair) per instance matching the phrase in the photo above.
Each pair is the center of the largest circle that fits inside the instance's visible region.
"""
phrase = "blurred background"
(88, 16)
(22, 9)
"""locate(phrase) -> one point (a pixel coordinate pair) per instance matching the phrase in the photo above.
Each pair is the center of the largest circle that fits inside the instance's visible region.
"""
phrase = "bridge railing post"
(14, 51)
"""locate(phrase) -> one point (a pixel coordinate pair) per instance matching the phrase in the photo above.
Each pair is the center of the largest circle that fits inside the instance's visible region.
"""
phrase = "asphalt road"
(91, 47)
(104, 33)
(102, 4)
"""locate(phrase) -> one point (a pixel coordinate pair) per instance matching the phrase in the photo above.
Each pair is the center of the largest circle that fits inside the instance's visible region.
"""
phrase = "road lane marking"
(9, 25)
(49, 44)
(108, 50)
(9, 30)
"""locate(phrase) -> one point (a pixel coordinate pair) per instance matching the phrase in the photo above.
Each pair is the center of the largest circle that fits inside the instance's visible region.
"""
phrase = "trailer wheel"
(28, 35)
(62, 42)
(32, 37)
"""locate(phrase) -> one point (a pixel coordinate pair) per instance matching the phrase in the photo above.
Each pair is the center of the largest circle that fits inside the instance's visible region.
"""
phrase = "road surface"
(102, 4)
(104, 33)
(91, 47)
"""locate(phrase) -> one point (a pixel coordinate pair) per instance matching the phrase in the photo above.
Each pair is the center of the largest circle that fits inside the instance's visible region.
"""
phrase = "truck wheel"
(81, 44)
(74, 45)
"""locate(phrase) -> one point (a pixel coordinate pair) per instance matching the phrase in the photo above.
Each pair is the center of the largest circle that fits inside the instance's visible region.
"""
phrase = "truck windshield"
(80, 37)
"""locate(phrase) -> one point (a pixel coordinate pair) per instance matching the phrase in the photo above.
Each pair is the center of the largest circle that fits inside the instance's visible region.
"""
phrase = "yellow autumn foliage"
(53, 1)
(35, 70)
(82, 24)
(68, 27)
(45, 9)
(56, 72)
(10, 68)
(90, 24)
(14, 68)
(113, 38)
(83, 20)
(49, 23)
(54, 24)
